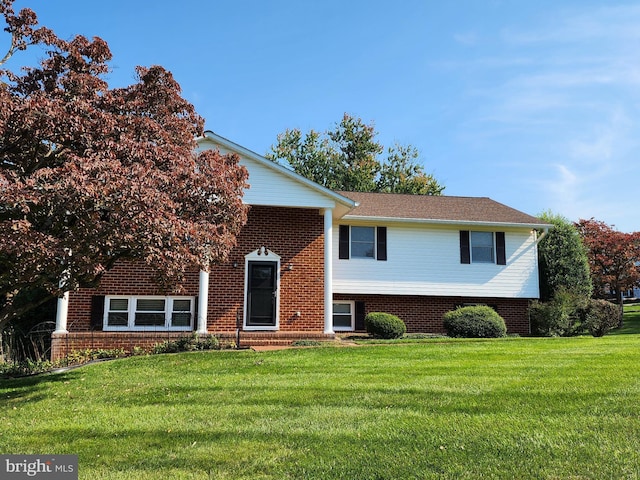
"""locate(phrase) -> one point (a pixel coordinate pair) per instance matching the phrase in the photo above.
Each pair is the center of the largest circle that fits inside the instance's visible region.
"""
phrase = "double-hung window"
(149, 313)
(343, 316)
(362, 242)
(482, 247)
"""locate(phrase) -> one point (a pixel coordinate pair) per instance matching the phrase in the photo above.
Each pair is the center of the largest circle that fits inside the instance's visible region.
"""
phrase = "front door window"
(262, 294)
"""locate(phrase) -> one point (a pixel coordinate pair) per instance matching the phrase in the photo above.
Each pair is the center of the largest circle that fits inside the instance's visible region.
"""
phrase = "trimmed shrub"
(600, 316)
(474, 322)
(384, 325)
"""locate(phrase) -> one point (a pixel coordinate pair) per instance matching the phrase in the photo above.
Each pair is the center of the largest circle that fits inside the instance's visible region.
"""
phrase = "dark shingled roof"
(437, 209)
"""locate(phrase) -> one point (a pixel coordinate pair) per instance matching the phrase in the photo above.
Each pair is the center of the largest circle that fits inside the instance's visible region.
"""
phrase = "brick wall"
(126, 278)
(296, 235)
(424, 314)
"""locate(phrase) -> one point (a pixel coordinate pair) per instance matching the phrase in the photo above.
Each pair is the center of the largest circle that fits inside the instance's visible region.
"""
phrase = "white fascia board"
(359, 218)
(343, 204)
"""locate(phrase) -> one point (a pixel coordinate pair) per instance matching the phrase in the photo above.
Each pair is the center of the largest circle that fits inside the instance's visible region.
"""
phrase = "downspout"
(545, 231)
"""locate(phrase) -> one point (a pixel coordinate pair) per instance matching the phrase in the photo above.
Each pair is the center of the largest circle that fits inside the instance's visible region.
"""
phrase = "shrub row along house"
(311, 262)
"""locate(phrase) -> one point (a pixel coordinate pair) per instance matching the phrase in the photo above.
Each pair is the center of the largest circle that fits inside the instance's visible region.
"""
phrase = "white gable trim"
(341, 205)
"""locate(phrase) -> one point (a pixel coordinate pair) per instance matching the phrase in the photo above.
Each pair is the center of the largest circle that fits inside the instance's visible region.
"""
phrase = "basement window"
(343, 316)
(149, 313)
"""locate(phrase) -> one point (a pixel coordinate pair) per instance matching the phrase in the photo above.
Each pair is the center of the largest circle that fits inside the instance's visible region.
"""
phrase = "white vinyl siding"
(425, 260)
(268, 186)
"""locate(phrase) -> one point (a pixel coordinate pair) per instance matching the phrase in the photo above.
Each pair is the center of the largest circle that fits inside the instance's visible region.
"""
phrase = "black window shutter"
(382, 243)
(97, 312)
(343, 242)
(195, 313)
(465, 253)
(501, 253)
(360, 314)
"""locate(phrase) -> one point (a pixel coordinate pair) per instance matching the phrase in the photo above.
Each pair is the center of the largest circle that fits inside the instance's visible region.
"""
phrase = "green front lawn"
(631, 322)
(511, 408)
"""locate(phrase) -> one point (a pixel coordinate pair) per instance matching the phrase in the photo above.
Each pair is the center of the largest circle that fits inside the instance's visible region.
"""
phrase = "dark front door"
(262, 294)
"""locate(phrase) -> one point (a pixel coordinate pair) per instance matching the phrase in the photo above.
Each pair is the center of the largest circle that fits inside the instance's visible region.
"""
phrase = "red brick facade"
(295, 235)
(424, 314)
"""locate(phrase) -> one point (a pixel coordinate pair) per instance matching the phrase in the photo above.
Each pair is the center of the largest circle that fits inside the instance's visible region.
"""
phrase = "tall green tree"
(563, 261)
(350, 158)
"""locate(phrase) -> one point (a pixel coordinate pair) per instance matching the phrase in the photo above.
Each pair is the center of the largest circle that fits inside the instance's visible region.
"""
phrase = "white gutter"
(446, 222)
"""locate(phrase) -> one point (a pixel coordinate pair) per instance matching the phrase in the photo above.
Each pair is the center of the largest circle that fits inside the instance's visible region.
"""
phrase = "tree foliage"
(613, 257)
(90, 175)
(349, 158)
(563, 260)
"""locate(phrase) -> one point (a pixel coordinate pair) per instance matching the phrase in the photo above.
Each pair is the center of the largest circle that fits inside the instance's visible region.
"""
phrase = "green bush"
(25, 367)
(384, 325)
(187, 344)
(306, 343)
(76, 357)
(79, 357)
(601, 316)
(563, 316)
(474, 322)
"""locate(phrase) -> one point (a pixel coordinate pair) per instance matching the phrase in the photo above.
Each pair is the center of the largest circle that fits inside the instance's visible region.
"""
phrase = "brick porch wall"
(424, 314)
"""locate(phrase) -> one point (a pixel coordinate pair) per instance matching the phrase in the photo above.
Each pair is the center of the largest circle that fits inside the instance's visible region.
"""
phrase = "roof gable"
(274, 185)
(438, 209)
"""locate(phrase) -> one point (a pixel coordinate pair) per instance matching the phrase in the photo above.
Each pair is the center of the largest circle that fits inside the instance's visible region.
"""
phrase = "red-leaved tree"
(613, 257)
(90, 175)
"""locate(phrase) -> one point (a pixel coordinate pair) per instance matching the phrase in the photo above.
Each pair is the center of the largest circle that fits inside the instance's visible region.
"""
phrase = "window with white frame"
(482, 247)
(363, 242)
(149, 313)
(343, 316)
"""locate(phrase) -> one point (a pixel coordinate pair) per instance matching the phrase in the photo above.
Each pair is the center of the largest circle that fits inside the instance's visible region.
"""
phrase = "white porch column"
(328, 271)
(61, 314)
(203, 302)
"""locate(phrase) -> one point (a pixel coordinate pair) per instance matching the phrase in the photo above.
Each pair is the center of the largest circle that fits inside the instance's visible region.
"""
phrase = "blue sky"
(534, 104)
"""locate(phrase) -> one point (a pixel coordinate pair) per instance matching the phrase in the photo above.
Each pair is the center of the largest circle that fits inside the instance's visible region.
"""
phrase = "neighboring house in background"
(414, 256)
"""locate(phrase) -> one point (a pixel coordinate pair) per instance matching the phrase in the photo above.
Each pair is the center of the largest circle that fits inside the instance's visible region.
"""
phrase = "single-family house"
(311, 262)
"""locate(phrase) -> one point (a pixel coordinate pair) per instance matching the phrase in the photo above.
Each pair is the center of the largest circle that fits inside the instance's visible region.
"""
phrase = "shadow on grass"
(631, 323)
(27, 388)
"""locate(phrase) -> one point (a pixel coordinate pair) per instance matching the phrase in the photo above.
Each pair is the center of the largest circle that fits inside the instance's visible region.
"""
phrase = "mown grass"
(512, 408)
(631, 324)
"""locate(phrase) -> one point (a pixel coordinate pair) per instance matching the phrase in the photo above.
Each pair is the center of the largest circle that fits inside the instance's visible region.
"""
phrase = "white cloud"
(564, 100)
(608, 23)
(468, 39)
